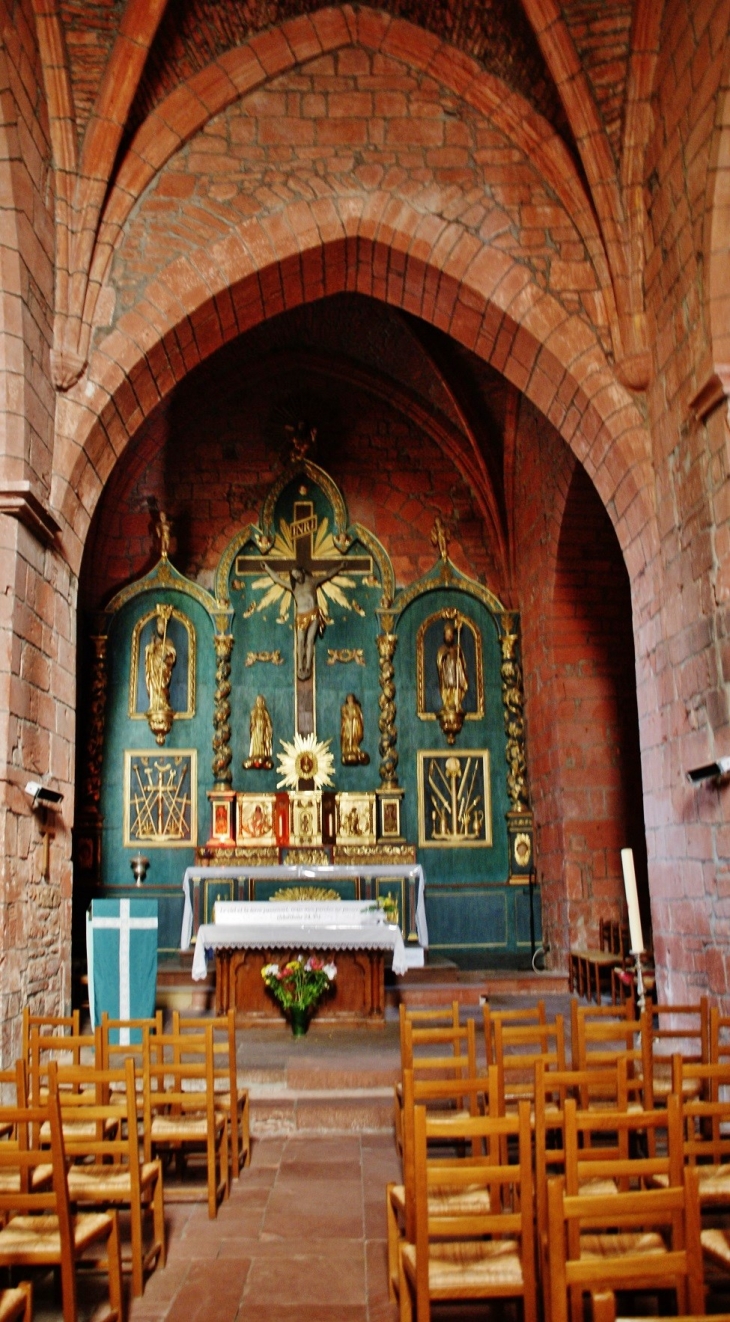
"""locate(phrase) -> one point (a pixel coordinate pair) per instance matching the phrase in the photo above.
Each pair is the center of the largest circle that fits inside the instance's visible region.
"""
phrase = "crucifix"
(301, 575)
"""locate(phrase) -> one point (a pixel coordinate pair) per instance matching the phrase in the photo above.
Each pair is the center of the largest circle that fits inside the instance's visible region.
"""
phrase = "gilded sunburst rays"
(306, 758)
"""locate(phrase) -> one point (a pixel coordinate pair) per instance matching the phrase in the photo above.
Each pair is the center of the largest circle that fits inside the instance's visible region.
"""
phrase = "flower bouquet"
(298, 986)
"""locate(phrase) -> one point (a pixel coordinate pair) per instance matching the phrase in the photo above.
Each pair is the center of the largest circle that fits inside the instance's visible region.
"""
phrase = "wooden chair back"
(705, 1123)
(517, 1049)
(439, 1263)
(179, 1104)
(584, 1244)
(603, 1041)
(676, 1028)
(225, 1080)
(67, 1237)
(530, 1014)
(123, 1037)
(599, 1013)
(437, 1016)
(440, 1052)
(552, 1089)
(44, 1023)
(630, 1148)
(719, 1037)
(62, 1050)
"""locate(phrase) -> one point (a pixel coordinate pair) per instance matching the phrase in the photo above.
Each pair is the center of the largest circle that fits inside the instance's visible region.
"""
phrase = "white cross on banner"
(121, 947)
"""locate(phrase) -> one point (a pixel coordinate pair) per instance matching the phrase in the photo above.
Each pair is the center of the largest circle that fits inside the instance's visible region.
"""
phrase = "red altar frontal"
(357, 998)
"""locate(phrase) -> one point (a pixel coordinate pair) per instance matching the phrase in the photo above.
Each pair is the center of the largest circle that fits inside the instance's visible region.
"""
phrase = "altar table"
(247, 935)
(318, 874)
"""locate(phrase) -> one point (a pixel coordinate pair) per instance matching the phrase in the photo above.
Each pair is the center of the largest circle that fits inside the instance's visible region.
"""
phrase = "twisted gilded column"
(387, 643)
(91, 796)
(222, 755)
(514, 720)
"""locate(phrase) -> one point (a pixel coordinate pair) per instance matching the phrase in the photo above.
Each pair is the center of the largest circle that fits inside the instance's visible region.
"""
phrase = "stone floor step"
(280, 1111)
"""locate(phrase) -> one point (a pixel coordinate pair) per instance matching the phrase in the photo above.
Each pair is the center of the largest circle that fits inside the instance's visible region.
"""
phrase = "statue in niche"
(159, 659)
(309, 617)
(261, 737)
(352, 730)
(453, 680)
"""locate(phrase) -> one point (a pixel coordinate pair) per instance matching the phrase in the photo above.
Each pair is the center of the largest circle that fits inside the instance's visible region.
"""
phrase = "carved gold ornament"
(274, 658)
(305, 893)
(523, 849)
(345, 655)
(306, 758)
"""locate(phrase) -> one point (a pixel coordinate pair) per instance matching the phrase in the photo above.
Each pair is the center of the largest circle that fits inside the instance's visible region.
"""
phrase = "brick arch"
(16, 332)
(386, 249)
(268, 55)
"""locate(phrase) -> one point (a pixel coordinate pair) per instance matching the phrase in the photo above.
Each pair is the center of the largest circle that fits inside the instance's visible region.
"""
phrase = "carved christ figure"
(159, 658)
(309, 618)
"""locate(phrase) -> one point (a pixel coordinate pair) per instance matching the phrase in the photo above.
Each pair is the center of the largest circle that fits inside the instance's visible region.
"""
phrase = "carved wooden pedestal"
(358, 997)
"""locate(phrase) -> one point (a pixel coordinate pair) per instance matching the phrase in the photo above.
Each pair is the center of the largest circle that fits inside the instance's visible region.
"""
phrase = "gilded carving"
(514, 721)
(344, 655)
(160, 656)
(454, 808)
(387, 643)
(222, 754)
(457, 666)
(160, 807)
(305, 893)
(275, 658)
(352, 731)
(97, 708)
(261, 742)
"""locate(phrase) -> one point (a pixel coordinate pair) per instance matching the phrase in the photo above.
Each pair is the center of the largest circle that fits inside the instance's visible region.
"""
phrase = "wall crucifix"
(302, 570)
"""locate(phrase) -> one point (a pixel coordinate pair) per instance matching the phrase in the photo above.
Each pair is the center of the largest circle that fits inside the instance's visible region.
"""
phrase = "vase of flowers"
(298, 986)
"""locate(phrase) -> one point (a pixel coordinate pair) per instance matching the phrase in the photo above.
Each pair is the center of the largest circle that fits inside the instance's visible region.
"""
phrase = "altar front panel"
(358, 996)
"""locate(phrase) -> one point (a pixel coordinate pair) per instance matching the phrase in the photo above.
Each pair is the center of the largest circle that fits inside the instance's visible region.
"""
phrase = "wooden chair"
(719, 1039)
(530, 1014)
(228, 1096)
(597, 1013)
(602, 1041)
(597, 1240)
(125, 1035)
(449, 1099)
(588, 966)
(16, 1305)
(687, 1033)
(40, 1230)
(43, 1023)
(552, 1089)
(604, 1310)
(587, 1234)
(437, 1016)
(706, 1139)
(107, 1170)
(434, 1053)
(51, 1052)
(486, 1255)
(180, 1112)
(517, 1048)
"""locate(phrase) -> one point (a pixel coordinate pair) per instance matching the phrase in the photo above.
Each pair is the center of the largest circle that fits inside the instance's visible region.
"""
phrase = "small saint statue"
(261, 737)
(163, 533)
(352, 729)
(159, 659)
(440, 537)
(310, 619)
(453, 680)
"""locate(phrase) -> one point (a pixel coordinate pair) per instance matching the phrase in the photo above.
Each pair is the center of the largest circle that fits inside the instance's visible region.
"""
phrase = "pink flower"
(314, 964)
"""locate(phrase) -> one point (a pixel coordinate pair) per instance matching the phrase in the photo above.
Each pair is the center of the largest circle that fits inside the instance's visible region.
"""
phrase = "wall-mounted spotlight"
(42, 799)
(711, 771)
(42, 796)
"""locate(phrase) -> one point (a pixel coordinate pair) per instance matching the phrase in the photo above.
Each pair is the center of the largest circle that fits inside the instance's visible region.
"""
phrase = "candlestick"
(632, 901)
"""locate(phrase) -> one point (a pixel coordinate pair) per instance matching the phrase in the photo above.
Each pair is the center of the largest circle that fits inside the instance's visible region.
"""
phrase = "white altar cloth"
(304, 924)
(318, 874)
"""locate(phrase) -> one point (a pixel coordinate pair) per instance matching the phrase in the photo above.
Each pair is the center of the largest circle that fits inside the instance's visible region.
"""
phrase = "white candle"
(632, 900)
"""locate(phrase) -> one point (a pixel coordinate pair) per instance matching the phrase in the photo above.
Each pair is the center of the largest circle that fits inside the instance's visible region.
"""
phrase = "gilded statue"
(310, 619)
(163, 533)
(159, 659)
(352, 730)
(453, 680)
(440, 537)
(261, 737)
